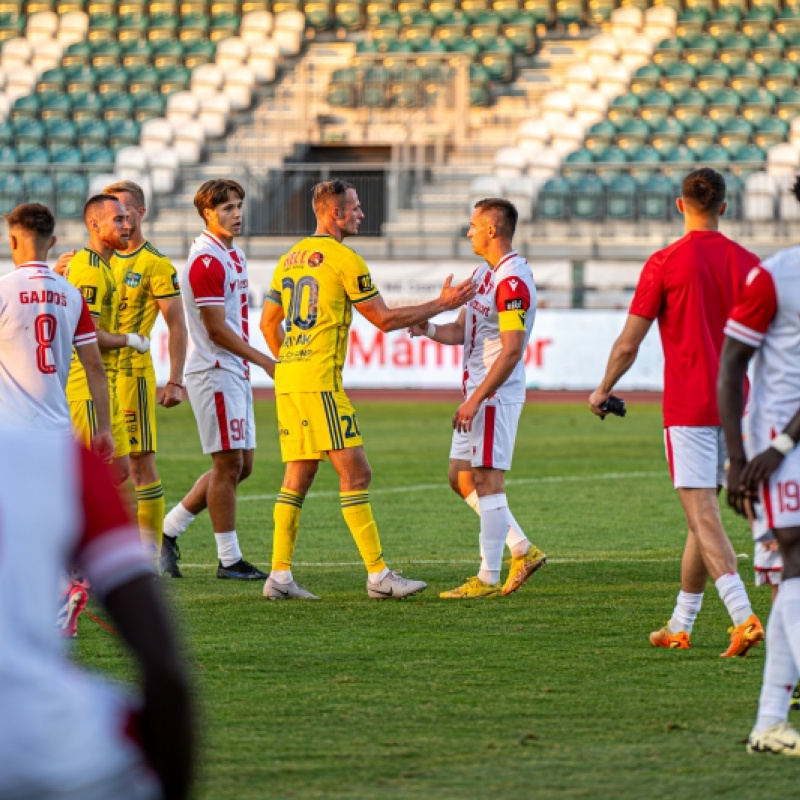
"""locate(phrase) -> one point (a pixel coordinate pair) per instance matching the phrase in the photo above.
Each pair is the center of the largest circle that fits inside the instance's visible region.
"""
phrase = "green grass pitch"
(553, 692)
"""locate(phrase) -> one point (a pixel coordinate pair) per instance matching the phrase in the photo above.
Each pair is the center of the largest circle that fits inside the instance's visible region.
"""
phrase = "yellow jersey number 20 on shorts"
(312, 423)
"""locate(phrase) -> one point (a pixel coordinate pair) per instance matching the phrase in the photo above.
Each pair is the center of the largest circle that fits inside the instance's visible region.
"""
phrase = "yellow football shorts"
(137, 397)
(311, 424)
(84, 424)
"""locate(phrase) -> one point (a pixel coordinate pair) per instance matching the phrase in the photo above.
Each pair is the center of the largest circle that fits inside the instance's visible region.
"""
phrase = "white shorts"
(779, 503)
(696, 456)
(223, 407)
(490, 443)
(768, 565)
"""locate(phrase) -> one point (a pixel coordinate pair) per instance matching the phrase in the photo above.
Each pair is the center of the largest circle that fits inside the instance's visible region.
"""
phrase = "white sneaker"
(781, 738)
(392, 585)
(286, 591)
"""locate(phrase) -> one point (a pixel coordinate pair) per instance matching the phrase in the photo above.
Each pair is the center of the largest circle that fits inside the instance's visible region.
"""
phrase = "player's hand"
(141, 344)
(758, 470)
(171, 395)
(63, 262)
(455, 296)
(418, 330)
(267, 364)
(465, 414)
(103, 445)
(596, 399)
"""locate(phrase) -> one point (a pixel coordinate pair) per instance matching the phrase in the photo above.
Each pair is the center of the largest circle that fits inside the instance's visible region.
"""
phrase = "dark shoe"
(241, 571)
(170, 555)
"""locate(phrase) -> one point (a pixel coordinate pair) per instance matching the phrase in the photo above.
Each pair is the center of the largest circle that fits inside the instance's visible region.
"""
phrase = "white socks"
(516, 541)
(687, 607)
(228, 550)
(177, 521)
(281, 575)
(781, 666)
(494, 528)
(376, 577)
(734, 595)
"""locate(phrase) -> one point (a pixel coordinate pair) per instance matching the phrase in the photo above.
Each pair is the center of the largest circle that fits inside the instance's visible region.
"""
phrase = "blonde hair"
(128, 187)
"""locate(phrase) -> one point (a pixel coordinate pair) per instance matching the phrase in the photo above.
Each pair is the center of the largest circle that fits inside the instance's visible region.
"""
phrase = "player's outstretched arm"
(620, 360)
(92, 362)
(449, 333)
(63, 262)
(166, 720)
(272, 317)
(223, 335)
(172, 311)
(392, 319)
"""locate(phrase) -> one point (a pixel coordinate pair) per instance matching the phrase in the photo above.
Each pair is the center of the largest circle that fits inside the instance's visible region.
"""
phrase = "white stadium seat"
(256, 26)
(521, 191)
(212, 116)
(579, 80)
(163, 165)
(15, 53)
(288, 40)
(43, 25)
(590, 108)
(232, 53)
(758, 200)
(556, 105)
(20, 81)
(567, 136)
(601, 51)
(182, 107)
(188, 144)
(544, 164)
(130, 163)
(636, 52)
(783, 160)
(156, 134)
(509, 162)
(614, 80)
(262, 60)
(238, 87)
(659, 23)
(46, 55)
(206, 80)
(291, 20)
(72, 27)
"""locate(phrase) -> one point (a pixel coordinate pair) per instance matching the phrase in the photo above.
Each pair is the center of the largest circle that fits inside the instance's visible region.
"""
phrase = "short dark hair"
(324, 192)
(704, 190)
(214, 192)
(506, 210)
(95, 201)
(35, 218)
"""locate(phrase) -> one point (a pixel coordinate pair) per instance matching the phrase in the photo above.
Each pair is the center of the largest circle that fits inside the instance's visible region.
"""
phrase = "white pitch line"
(426, 487)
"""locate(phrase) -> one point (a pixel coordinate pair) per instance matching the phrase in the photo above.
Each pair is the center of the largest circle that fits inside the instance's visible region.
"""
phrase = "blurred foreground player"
(215, 295)
(690, 287)
(494, 328)
(765, 323)
(314, 288)
(65, 734)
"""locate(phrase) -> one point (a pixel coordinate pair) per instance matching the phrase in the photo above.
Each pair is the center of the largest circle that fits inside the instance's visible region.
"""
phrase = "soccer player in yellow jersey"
(89, 270)
(147, 284)
(305, 322)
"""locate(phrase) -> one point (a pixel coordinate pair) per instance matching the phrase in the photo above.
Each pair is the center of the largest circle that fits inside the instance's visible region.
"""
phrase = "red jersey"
(691, 287)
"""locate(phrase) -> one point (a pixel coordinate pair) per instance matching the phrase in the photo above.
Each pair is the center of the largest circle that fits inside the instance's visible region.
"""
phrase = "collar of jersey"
(97, 254)
(217, 242)
(34, 265)
(134, 253)
(503, 260)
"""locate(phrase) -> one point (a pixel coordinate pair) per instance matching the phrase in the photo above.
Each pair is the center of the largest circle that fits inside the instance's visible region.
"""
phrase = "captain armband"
(512, 320)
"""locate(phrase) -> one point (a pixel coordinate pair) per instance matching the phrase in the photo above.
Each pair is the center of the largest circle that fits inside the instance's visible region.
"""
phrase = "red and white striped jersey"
(508, 288)
(60, 726)
(767, 317)
(41, 316)
(215, 276)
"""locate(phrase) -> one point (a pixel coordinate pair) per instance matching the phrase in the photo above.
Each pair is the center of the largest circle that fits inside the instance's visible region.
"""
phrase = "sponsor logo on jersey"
(133, 279)
(315, 259)
(364, 283)
(514, 304)
(129, 416)
(207, 261)
(175, 285)
(90, 293)
(513, 283)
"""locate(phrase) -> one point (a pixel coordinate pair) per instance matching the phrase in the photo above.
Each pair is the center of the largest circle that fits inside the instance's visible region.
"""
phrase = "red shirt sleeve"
(207, 279)
(85, 332)
(512, 295)
(757, 306)
(649, 296)
(109, 548)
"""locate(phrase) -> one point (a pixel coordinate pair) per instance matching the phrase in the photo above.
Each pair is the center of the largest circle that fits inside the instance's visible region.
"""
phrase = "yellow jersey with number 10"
(143, 277)
(317, 282)
(91, 274)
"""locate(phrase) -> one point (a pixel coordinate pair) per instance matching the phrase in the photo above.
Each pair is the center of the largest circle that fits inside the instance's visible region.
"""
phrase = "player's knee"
(246, 471)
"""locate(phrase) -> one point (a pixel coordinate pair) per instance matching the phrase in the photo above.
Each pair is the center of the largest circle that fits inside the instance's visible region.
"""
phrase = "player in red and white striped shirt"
(214, 289)
(41, 317)
(765, 325)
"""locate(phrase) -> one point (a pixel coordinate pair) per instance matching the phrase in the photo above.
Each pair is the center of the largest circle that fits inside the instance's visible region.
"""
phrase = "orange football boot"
(744, 636)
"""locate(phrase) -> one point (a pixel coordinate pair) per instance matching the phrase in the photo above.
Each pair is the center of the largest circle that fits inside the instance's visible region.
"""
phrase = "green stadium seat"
(520, 37)
(582, 156)
(734, 50)
(99, 156)
(667, 134)
(586, 198)
(689, 106)
(499, 61)
(86, 106)
(753, 154)
(91, 132)
(632, 134)
(773, 6)
(341, 94)
(757, 105)
(724, 22)
(568, 13)
(700, 51)
(59, 130)
(117, 107)
(474, 8)
(612, 161)
(767, 49)
(700, 134)
(677, 78)
(599, 137)
(6, 134)
(167, 53)
(690, 23)
(478, 95)
(194, 28)
(712, 154)
(399, 46)
(31, 154)
(714, 76)
(706, 6)
(223, 26)
(645, 79)
(680, 154)
(10, 191)
(111, 81)
(645, 161)
(622, 108)
(781, 76)
(131, 27)
(137, 53)
(80, 79)
(770, 132)
(106, 54)
(163, 27)
(553, 201)
(348, 15)
(541, 10)
(656, 198)
(148, 106)
(197, 53)
(78, 54)
(403, 94)
(8, 156)
(787, 23)
(143, 80)
(735, 133)
(733, 196)
(621, 198)
(464, 46)
(51, 80)
(757, 22)
(723, 105)
(656, 106)
(376, 9)
(667, 53)
(71, 192)
(122, 133)
(24, 108)
(746, 77)
(102, 28)
(787, 103)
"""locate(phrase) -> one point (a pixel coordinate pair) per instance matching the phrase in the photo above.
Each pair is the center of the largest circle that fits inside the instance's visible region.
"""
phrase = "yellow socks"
(357, 513)
(151, 508)
(286, 514)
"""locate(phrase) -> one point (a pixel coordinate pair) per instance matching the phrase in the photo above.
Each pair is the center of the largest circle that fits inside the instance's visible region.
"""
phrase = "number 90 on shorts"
(310, 424)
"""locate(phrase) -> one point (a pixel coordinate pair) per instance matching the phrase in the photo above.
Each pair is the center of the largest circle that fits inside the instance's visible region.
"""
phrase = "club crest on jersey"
(90, 293)
(315, 259)
(364, 283)
(133, 279)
